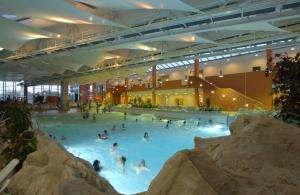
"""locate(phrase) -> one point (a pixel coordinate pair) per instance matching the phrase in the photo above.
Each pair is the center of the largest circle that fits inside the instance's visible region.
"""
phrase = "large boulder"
(53, 171)
(260, 149)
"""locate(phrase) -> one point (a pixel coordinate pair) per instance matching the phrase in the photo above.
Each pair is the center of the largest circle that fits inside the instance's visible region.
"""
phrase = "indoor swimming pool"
(82, 141)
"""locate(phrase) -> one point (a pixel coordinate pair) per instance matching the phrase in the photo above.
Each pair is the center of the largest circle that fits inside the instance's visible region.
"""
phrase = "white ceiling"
(30, 25)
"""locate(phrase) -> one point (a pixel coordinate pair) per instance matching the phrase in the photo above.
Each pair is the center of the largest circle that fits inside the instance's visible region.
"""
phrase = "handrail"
(235, 91)
(247, 97)
(94, 36)
(8, 169)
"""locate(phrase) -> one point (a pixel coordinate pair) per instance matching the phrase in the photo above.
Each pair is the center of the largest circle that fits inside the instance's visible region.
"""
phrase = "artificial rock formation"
(53, 171)
(260, 157)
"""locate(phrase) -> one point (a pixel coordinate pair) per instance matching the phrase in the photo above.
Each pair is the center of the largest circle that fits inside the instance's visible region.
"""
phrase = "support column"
(25, 93)
(64, 102)
(126, 89)
(269, 56)
(196, 75)
(94, 91)
(107, 85)
(153, 84)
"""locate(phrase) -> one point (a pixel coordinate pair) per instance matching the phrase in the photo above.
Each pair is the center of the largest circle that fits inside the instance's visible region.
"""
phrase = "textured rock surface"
(261, 157)
(262, 150)
(53, 171)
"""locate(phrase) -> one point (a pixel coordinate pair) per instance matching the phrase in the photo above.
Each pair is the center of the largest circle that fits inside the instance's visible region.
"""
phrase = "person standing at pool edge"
(125, 114)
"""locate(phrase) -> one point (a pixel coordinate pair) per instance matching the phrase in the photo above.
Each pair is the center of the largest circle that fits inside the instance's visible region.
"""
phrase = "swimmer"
(123, 126)
(97, 166)
(113, 128)
(210, 121)
(105, 132)
(142, 167)
(103, 136)
(167, 125)
(146, 136)
(184, 122)
(121, 162)
(136, 120)
(63, 138)
(114, 148)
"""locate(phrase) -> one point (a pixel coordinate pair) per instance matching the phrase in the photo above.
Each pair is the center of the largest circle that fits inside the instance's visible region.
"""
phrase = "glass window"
(180, 63)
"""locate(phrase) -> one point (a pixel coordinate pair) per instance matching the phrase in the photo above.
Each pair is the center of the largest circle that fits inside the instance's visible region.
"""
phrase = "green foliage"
(21, 142)
(139, 103)
(18, 118)
(286, 86)
(23, 145)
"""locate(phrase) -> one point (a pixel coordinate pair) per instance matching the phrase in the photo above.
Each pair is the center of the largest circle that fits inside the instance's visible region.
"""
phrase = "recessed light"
(58, 35)
(91, 18)
(246, 105)
(223, 96)
(212, 92)
(234, 99)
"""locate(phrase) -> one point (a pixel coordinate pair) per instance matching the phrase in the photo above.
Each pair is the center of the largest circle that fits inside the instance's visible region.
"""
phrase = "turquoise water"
(82, 141)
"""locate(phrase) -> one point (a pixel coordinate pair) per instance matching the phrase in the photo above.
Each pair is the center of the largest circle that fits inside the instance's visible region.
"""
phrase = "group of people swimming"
(121, 160)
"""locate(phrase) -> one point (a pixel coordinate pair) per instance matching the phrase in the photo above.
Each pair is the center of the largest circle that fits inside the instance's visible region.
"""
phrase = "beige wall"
(170, 100)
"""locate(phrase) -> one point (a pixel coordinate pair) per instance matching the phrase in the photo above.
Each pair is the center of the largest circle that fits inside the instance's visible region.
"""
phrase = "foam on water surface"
(83, 142)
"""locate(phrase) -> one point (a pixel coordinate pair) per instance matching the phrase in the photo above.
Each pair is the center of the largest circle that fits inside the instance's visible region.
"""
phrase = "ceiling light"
(228, 60)
(293, 48)
(58, 36)
(212, 92)
(154, 49)
(246, 105)
(144, 59)
(118, 56)
(193, 38)
(234, 99)
(191, 51)
(1, 48)
(91, 18)
(201, 85)
(223, 96)
(191, 82)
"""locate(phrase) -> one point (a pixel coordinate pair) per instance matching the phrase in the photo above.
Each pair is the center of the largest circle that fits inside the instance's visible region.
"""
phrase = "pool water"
(82, 141)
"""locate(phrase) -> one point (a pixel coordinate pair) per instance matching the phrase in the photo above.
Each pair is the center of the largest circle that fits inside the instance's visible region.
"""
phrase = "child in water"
(97, 166)
(114, 148)
(141, 167)
(121, 162)
(146, 136)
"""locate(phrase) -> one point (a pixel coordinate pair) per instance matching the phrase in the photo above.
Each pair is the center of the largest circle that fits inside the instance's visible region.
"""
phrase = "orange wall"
(257, 85)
